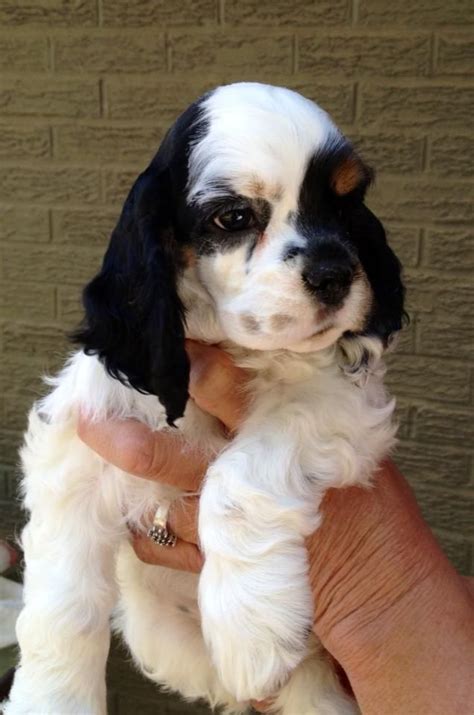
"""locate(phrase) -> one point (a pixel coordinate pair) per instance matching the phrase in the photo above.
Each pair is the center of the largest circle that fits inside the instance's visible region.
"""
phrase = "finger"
(216, 384)
(183, 556)
(158, 456)
(183, 518)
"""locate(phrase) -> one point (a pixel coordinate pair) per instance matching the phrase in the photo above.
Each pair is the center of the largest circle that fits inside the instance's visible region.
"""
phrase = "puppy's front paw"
(256, 624)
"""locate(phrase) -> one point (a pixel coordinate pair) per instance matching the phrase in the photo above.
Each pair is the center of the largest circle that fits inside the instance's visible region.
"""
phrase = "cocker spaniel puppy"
(248, 230)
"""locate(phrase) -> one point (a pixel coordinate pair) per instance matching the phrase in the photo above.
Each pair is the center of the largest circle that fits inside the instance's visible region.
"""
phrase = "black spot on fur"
(317, 202)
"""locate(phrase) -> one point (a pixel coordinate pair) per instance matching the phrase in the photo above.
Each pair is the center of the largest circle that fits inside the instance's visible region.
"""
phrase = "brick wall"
(88, 89)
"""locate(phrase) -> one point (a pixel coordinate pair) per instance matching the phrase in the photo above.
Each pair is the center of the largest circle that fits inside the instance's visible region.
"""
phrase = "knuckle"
(148, 457)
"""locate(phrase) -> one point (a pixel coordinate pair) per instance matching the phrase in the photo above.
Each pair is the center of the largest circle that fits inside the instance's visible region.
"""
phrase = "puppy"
(248, 230)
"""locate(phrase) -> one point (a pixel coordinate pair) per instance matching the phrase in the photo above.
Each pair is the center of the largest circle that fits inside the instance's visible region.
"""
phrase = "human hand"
(216, 385)
(389, 606)
(381, 584)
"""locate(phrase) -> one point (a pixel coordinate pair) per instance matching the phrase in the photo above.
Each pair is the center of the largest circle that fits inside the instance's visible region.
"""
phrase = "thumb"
(216, 384)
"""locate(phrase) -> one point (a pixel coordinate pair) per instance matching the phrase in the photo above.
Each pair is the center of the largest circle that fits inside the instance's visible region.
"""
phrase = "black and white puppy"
(249, 230)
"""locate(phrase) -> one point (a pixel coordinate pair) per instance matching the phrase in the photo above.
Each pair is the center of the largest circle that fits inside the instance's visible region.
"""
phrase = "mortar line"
(51, 57)
(426, 154)
(295, 54)
(355, 12)
(434, 54)
(100, 14)
(103, 106)
(168, 54)
(50, 225)
(355, 102)
(53, 141)
(220, 12)
(421, 252)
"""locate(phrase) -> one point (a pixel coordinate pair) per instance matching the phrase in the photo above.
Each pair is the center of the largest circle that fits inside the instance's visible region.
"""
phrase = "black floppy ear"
(134, 318)
(383, 269)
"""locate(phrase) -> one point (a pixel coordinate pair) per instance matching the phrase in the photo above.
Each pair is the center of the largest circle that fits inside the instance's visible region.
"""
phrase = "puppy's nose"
(329, 280)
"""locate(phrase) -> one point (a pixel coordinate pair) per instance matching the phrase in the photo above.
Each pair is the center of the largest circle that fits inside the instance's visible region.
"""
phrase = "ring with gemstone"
(159, 532)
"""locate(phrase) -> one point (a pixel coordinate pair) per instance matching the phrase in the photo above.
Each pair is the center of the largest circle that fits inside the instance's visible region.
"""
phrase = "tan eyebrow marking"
(258, 189)
(348, 175)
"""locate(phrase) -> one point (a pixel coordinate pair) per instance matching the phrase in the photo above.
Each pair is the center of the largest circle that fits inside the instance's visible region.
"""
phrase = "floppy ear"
(134, 318)
(383, 270)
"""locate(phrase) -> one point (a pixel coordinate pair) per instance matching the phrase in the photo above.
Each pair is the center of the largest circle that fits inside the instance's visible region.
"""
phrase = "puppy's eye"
(235, 220)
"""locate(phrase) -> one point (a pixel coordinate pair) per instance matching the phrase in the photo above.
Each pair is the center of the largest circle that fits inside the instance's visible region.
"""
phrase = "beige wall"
(88, 89)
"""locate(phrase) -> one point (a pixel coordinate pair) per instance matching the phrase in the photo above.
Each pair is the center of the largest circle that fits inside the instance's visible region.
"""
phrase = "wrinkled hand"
(388, 605)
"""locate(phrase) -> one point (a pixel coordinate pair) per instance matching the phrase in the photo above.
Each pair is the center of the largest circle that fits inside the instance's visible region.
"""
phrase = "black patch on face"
(208, 238)
(341, 232)
(319, 207)
(134, 319)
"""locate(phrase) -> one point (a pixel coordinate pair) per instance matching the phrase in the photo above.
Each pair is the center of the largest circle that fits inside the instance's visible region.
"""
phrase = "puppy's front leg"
(254, 593)
(69, 544)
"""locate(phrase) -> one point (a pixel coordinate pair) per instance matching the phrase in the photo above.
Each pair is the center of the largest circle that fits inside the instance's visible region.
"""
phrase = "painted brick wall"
(88, 88)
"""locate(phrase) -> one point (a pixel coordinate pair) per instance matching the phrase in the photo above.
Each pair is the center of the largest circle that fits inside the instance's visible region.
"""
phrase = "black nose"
(330, 281)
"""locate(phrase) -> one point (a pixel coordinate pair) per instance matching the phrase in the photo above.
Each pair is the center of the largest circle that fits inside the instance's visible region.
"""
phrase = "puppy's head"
(262, 188)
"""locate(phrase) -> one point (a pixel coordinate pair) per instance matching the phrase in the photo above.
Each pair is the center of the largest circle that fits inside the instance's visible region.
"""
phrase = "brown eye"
(235, 220)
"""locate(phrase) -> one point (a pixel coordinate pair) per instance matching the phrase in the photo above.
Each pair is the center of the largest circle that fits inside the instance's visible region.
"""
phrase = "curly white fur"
(310, 427)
